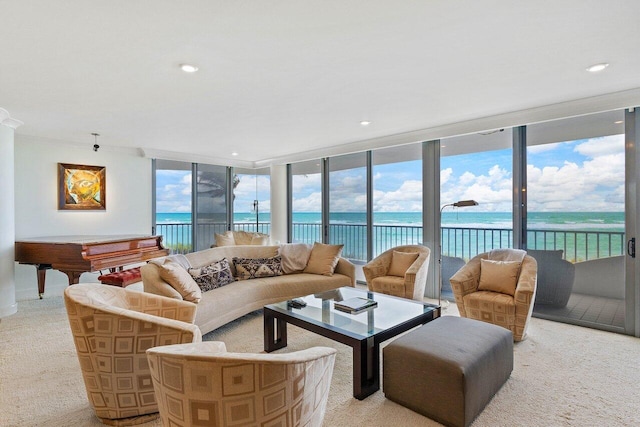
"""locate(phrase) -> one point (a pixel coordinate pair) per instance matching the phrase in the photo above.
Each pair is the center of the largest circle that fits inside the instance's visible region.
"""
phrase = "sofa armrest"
(347, 268)
(153, 283)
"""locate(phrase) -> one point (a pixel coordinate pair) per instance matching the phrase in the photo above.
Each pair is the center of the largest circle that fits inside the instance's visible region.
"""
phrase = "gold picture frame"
(81, 187)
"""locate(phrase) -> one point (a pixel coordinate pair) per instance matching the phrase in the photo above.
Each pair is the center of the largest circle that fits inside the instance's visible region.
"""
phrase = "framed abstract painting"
(81, 187)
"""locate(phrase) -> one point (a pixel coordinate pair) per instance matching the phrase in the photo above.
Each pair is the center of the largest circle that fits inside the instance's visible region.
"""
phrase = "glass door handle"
(631, 247)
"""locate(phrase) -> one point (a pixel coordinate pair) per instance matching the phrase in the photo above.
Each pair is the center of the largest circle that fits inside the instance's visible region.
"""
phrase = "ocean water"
(580, 235)
(584, 221)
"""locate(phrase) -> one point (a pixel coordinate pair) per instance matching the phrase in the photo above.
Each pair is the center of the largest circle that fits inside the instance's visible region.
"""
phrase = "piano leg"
(74, 276)
(42, 274)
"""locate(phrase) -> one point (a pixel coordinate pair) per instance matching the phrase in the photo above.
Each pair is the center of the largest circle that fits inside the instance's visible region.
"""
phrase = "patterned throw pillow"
(213, 276)
(251, 268)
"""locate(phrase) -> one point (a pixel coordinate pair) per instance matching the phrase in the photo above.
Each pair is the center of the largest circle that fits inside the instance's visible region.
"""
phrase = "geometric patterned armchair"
(400, 271)
(112, 328)
(505, 301)
(201, 384)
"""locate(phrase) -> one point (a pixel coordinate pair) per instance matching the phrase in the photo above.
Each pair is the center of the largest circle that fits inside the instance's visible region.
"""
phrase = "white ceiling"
(286, 80)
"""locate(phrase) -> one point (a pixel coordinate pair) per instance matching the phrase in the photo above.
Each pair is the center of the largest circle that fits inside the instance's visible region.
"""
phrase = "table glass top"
(390, 312)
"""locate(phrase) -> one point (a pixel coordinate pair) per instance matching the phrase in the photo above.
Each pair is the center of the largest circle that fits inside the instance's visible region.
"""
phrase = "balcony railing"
(177, 236)
(463, 242)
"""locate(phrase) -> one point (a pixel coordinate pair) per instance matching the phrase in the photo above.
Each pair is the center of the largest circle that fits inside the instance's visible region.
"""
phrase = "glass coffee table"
(364, 332)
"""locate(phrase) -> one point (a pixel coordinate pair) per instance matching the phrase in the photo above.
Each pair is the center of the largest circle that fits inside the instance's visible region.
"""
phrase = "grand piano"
(74, 255)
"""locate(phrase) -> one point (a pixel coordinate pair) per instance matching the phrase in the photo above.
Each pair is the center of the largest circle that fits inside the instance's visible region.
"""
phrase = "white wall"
(128, 191)
(8, 304)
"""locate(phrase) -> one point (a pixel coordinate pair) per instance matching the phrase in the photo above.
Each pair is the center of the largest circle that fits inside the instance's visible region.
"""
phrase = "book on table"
(354, 305)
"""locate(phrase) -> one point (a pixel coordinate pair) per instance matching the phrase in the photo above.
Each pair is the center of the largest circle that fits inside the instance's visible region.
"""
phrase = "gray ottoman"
(449, 369)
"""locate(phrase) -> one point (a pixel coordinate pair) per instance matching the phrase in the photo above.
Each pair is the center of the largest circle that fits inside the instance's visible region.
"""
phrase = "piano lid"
(84, 239)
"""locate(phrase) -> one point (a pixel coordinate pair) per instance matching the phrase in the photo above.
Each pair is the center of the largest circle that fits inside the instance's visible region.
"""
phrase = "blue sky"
(585, 175)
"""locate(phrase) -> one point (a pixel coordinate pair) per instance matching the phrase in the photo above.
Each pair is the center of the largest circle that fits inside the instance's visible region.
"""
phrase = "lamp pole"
(256, 208)
(458, 204)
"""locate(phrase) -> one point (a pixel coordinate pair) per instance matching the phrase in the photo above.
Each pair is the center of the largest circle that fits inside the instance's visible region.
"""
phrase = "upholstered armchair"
(498, 287)
(112, 329)
(202, 384)
(400, 271)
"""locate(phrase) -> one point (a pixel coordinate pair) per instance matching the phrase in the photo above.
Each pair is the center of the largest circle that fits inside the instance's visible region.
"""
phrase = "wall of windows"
(189, 212)
(553, 187)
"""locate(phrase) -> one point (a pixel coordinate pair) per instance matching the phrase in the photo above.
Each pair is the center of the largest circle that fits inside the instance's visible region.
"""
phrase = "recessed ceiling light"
(618, 122)
(234, 154)
(597, 67)
(365, 123)
(188, 68)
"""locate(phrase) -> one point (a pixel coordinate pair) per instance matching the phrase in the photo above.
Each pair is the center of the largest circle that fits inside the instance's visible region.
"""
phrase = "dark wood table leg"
(275, 332)
(366, 368)
(42, 276)
(74, 276)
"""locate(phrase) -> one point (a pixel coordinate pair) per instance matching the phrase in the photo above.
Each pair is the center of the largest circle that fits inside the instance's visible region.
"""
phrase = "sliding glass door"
(576, 218)
(348, 206)
(397, 197)
(251, 200)
(172, 207)
(211, 204)
(306, 202)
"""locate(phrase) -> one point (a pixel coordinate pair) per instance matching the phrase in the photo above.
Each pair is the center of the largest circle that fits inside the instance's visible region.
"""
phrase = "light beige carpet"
(564, 376)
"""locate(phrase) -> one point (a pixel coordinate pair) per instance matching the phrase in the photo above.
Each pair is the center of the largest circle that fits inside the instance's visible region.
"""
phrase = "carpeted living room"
(563, 375)
(408, 141)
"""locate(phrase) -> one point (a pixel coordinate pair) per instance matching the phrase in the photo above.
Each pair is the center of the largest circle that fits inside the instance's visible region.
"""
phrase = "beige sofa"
(224, 304)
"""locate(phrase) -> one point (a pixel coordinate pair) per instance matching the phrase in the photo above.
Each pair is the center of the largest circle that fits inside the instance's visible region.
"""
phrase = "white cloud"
(407, 198)
(310, 203)
(606, 145)
(595, 185)
(445, 175)
(492, 190)
(541, 148)
(306, 183)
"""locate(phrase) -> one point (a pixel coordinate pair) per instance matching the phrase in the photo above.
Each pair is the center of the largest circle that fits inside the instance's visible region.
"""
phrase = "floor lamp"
(458, 204)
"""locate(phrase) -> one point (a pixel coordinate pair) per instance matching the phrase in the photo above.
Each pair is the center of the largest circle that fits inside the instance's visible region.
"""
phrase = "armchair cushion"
(400, 263)
(323, 259)
(499, 276)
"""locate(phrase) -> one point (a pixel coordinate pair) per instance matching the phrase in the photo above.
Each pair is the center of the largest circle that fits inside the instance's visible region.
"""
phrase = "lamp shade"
(465, 203)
